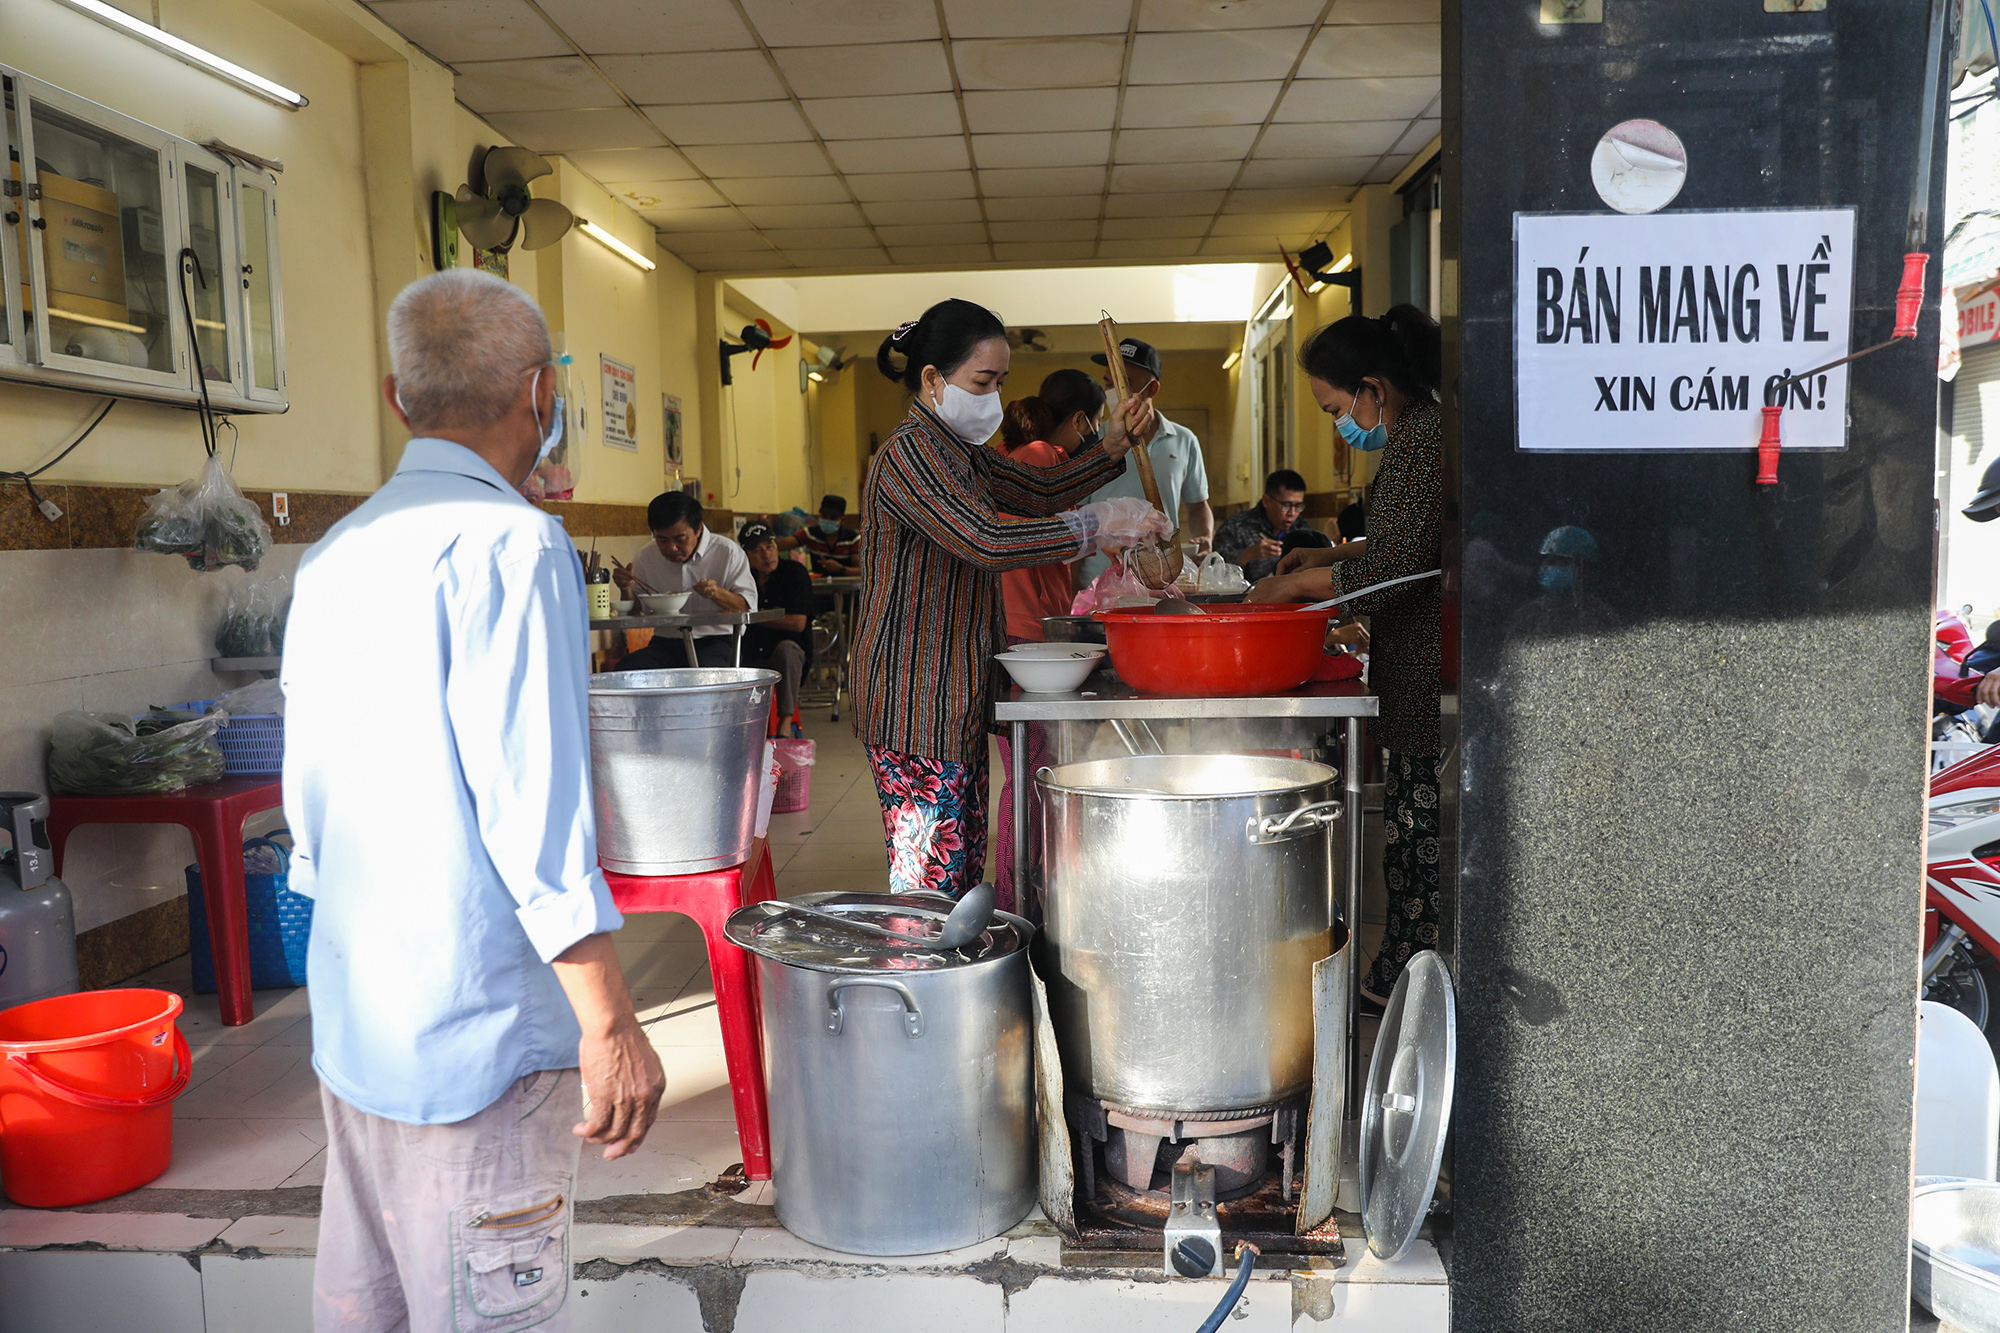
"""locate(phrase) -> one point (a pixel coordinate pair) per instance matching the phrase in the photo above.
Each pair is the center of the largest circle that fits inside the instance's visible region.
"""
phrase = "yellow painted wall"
(686, 365)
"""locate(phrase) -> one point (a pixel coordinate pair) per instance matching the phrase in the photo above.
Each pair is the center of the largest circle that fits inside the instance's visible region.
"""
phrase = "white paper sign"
(621, 405)
(1979, 317)
(1664, 331)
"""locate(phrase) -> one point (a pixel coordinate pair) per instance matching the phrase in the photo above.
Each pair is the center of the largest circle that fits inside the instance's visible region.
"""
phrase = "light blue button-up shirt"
(437, 784)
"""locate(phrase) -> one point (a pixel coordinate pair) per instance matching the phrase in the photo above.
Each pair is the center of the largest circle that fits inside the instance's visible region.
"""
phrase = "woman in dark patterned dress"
(1378, 377)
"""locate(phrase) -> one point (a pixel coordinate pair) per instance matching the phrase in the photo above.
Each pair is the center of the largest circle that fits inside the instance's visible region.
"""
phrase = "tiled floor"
(250, 1124)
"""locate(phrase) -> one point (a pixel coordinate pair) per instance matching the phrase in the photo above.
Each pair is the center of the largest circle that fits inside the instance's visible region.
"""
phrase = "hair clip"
(903, 331)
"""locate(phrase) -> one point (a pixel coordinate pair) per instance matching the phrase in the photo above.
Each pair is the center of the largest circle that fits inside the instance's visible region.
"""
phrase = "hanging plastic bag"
(1117, 586)
(253, 619)
(1218, 575)
(109, 754)
(226, 528)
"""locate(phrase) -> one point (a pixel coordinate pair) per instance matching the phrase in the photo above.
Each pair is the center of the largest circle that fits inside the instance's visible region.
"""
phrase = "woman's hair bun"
(944, 337)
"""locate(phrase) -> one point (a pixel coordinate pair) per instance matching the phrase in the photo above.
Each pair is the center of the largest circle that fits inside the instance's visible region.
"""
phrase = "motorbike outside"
(1962, 891)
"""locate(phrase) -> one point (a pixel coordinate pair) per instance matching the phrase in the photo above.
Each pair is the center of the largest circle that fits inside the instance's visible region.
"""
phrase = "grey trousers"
(460, 1228)
(789, 661)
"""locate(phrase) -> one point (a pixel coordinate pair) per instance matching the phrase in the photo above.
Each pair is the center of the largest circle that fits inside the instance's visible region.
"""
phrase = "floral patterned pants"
(1409, 866)
(934, 819)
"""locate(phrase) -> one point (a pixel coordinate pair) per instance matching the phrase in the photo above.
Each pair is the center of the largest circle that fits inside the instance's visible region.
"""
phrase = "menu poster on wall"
(621, 405)
(1666, 331)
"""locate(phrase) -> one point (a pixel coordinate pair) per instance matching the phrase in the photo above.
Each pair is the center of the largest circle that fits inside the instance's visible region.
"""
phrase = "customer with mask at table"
(833, 548)
(932, 554)
(684, 556)
(470, 1023)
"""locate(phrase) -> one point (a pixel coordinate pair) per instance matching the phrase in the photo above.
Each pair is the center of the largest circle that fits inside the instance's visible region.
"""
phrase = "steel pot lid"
(1407, 1105)
(799, 942)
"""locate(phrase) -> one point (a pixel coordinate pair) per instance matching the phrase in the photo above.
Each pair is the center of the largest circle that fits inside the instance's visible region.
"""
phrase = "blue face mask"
(1558, 578)
(1088, 436)
(1367, 441)
(828, 525)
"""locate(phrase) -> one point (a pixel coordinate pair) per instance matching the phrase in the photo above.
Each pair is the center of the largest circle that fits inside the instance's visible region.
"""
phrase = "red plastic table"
(214, 813)
(708, 899)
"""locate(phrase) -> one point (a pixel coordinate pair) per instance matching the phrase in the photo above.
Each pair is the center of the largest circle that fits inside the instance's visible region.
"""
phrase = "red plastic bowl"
(1232, 651)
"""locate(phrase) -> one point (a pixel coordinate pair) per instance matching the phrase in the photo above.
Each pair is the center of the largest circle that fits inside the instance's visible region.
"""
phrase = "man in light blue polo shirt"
(1176, 455)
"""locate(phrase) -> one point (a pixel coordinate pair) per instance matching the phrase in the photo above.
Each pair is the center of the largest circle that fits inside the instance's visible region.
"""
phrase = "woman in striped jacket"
(931, 614)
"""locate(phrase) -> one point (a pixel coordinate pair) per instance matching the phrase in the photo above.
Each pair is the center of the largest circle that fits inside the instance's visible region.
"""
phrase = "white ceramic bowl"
(664, 603)
(1047, 674)
(621, 608)
(1056, 650)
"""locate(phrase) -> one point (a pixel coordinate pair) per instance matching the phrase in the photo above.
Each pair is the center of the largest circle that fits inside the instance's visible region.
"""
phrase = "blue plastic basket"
(250, 742)
(280, 925)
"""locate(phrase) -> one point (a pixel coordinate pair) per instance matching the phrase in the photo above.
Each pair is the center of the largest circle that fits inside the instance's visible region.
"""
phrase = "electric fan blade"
(545, 223)
(511, 166)
(482, 221)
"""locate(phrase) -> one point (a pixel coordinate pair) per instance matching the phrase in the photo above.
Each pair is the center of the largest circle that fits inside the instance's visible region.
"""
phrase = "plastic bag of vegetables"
(109, 754)
(253, 619)
(207, 520)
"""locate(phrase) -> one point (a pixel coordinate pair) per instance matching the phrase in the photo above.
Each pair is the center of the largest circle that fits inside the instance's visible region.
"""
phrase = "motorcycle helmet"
(1985, 506)
(1572, 541)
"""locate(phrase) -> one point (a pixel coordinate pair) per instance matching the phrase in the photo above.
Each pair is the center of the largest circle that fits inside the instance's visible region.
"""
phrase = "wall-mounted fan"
(1031, 340)
(826, 361)
(502, 211)
(756, 339)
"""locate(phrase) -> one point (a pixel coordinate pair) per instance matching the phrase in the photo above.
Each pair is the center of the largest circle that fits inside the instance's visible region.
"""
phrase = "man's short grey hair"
(459, 343)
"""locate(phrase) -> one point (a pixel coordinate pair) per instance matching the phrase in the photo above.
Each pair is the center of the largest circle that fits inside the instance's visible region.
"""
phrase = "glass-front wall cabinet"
(127, 272)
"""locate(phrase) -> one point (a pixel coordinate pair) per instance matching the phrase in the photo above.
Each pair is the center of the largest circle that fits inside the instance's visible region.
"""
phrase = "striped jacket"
(931, 557)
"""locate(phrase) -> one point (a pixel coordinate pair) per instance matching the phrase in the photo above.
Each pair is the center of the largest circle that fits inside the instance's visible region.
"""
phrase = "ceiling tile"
(697, 241)
(1045, 229)
(1130, 229)
(736, 261)
(927, 255)
(912, 185)
(1419, 136)
(702, 220)
(734, 161)
(1183, 203)
(1234, 247)
(1039, 62)
(1282, 201)
(1285, 172)
(606, 27)
(851, 71)
(1311, 100)
(819, 238)
(796, 216)
(706, 76)
(532, 85)
(786, 190)
(1215, 57)
(1042, 180)
(842, 22)
(1266, 224)
(1206, 144)
(1385, 11)
(1046, 250)
(1173, 176)
(654, 196)
(911, 115)
(1145, 249)
(633, 164)
(889, 212)
(455, 30)
(565, 131)
(946, 233)
(1044, 110)
(1078, 149)
(1028, 209)
(844, 257)
(1380, 51)
(1170, 15)
(730, 123)
(1199, 104)
(1352, 138)
(1035, 18)
(938, 153)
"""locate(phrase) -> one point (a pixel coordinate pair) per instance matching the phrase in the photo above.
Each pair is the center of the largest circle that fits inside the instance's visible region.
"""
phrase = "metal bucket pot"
(1187, 898)
(901, 1081)
(673, 766)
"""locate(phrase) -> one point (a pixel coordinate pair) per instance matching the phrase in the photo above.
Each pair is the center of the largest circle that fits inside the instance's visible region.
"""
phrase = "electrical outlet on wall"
(281, 507)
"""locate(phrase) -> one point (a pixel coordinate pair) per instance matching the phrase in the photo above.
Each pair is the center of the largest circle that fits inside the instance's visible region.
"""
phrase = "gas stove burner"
(1141, 1147)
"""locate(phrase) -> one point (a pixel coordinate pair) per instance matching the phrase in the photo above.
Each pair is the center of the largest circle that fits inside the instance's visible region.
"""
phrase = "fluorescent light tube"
(192, 54)
(612, 243)
(1229, 362)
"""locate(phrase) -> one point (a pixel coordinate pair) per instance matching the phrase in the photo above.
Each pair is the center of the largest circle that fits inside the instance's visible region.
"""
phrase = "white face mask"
(973, 417)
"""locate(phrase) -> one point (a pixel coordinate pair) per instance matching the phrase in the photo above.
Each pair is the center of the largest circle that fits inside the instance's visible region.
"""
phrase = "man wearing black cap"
(783, 645)
(1176, 455)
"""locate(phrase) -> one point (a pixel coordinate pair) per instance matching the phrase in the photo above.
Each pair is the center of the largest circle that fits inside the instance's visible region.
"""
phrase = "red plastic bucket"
(87, 1085)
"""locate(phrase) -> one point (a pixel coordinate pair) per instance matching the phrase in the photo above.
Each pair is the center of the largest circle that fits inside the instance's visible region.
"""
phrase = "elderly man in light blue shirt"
(465, 991)
(1175, 452)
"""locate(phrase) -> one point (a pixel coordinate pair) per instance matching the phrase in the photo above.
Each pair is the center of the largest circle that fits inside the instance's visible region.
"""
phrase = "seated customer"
(1254, 537)
(833, 547)
(686, 557)
(784, 645)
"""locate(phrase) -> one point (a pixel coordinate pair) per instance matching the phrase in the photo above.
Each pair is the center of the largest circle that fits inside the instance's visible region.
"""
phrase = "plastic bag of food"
(1117, 586)
(109, 754)
(225, 528)
(1218, 575)
(253, 619)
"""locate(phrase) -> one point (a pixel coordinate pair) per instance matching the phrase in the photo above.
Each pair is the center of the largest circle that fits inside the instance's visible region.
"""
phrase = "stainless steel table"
(1130, 713)
(846, 589)
(735, 621)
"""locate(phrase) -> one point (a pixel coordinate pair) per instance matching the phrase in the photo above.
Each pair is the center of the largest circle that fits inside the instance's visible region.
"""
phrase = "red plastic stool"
(214, 813)
(708, 899)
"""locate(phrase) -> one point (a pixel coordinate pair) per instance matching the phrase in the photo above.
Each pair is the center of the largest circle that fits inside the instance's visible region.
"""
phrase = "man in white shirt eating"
(684, 556)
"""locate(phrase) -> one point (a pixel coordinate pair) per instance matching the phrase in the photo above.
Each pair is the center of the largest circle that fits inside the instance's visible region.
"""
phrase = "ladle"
(968, 919)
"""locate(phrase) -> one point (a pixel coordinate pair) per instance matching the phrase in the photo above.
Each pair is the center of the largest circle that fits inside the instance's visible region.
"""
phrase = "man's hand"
(1352, 637)
(1304, 557)
(1264, 548)
(1989, 690)
(622, 1078)
(622, 576)
(707, 588)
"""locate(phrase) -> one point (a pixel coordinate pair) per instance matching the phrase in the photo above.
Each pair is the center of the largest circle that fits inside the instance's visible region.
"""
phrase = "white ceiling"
(770, 135)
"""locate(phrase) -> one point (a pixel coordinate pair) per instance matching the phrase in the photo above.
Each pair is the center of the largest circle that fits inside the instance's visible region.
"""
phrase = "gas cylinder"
(37, 922)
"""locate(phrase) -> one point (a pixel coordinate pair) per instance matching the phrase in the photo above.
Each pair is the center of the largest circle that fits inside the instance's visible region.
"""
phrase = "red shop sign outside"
(1979, 317)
